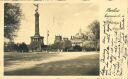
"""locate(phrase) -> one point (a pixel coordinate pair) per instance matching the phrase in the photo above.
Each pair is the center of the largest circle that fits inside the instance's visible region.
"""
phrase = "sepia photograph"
(51, 39)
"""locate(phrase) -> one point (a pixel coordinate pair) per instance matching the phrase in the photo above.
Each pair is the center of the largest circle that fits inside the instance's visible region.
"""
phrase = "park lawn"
(80, 66)
(10, 56)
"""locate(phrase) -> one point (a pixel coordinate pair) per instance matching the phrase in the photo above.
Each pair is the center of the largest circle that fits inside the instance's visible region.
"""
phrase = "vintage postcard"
(64, 39)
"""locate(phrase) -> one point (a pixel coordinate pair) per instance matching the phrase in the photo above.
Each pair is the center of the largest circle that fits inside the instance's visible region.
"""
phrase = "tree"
(23, 47)
(67, 45)
(12, 19)
(77, 48)
(95, 29)
(58, 46)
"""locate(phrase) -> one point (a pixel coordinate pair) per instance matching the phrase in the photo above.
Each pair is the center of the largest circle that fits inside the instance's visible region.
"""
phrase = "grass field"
(61, 64)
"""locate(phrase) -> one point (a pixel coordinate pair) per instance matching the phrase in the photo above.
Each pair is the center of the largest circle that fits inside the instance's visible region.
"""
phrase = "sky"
(64, 19)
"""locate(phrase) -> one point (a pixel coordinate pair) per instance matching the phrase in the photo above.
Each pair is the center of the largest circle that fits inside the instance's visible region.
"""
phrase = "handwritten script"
(114, 43)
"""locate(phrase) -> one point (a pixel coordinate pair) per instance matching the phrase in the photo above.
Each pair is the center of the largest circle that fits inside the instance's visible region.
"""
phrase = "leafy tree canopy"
(95, 29)
(12, 19)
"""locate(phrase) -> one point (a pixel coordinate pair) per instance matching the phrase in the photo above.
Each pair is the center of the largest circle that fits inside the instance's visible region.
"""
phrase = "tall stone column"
(36, 40)
(36, 23)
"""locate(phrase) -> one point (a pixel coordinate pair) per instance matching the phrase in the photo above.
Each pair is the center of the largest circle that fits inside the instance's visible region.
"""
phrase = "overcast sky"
(59, 18)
